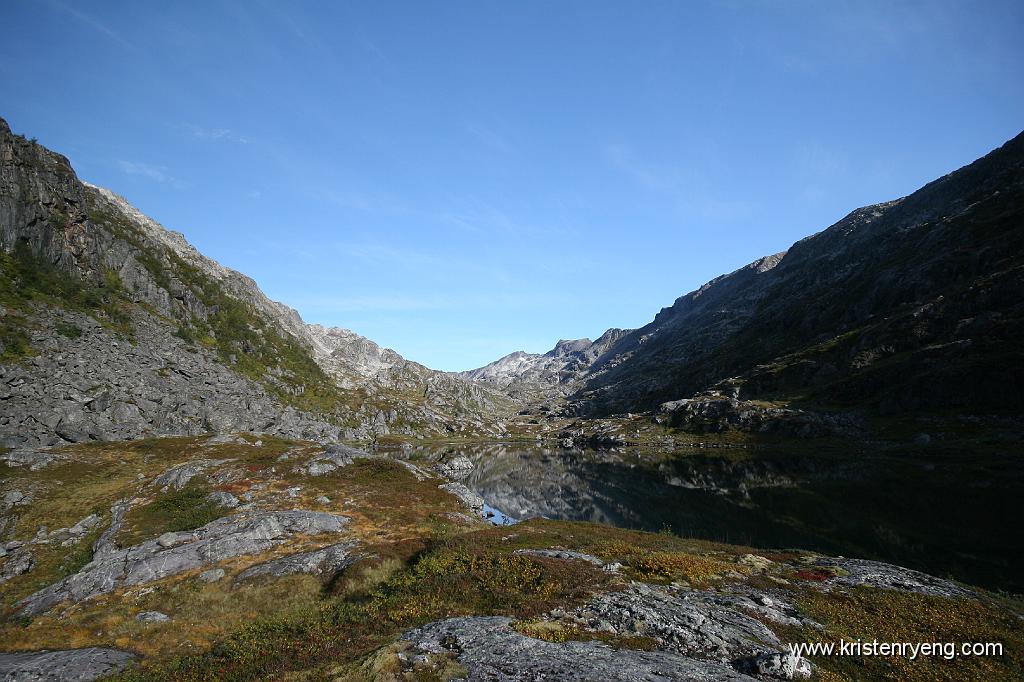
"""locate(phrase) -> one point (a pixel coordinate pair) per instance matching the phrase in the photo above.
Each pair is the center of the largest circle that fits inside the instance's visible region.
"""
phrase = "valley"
(199, 485)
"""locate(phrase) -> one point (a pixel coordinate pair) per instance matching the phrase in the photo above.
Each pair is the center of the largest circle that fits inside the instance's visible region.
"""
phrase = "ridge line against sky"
(464, 180)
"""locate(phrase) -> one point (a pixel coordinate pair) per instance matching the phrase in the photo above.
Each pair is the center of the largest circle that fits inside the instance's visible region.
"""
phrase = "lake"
(947, 514)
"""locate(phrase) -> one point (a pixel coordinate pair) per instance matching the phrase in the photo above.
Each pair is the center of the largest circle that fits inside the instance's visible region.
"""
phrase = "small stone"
(212, 575)
(320, 468)
(167, 540)
(323, 499)
(18, 563)
(756, 562)
(152, 617)
(223, 499)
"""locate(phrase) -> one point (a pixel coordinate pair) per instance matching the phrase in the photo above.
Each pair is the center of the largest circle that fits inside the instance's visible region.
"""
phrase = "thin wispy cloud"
(686, 188)
(648, 175)
(479, 216)
(383, 303)
(215, 134)
(402, 302)
(364, 200)
(386, 257)
(489, 138)
(149, 171)
(91, 21)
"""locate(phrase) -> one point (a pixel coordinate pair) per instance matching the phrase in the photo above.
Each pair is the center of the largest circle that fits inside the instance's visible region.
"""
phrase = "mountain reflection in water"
(955, 517)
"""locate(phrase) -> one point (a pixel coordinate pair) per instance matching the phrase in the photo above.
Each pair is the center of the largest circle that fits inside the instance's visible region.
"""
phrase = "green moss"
(890, 616)
(79, 556)
(69, 330)
(558, 632)
(180, 510)
(27, 279)
(14, 342)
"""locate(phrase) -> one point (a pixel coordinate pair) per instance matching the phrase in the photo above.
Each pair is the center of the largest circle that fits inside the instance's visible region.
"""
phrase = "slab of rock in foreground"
(708, 625)
(491, 650)
(857, 572)
(80, 665)
(324, 563)
(174, 553)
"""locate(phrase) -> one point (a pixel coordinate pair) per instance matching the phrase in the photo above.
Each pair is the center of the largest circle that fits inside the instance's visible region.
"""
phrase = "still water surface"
(952, 516)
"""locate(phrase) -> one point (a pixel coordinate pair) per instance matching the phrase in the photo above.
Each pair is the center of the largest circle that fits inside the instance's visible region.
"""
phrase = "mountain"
(903, 306)
(113, 327)
(536, 376)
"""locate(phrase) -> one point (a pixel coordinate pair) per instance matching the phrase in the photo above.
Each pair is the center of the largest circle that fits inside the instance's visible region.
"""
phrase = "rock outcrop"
(490, 649)
(173, 553)
(325, 563)
(78, 665)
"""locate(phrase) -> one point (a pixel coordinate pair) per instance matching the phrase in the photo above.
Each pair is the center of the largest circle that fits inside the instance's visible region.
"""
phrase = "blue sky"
(459, 180)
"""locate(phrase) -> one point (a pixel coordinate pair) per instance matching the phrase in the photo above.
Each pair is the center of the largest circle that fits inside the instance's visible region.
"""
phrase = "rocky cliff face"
(903, 306)
(557, 373)
(113, 326)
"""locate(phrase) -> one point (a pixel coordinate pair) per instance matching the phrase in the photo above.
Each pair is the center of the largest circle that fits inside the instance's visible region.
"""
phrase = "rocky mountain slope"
(903, 307)
(112, 326)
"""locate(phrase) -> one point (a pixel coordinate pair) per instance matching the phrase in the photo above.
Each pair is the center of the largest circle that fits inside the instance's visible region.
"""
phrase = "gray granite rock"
(561, 554)
(33, 458)
(17, 562)
(223, 499)
(491, 650)
(212, 575)
(14, 498)
(71, 665)
(469, 498)
(177, 477)
(703, 624)
(324, 563)
(173, 553)
(856, 572)
(152, 617)
(332, 458)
